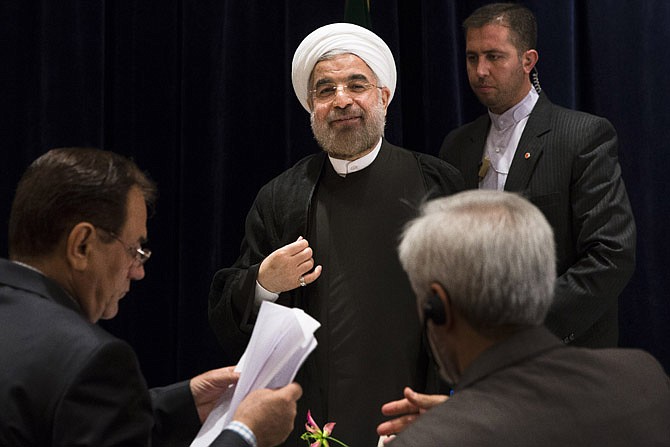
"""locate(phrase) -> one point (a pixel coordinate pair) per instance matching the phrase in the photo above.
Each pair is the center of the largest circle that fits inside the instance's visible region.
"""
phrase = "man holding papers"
(76, 241)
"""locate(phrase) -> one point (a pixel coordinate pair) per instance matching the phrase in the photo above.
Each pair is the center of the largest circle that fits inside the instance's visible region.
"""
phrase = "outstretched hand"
(407, 410)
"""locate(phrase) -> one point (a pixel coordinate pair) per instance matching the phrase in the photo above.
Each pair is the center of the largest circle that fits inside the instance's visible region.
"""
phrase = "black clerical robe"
(370, 343)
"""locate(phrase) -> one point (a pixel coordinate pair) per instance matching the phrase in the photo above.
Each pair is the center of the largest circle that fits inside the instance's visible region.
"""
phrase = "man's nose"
(136, 271)
(342, 97)
(482, 67)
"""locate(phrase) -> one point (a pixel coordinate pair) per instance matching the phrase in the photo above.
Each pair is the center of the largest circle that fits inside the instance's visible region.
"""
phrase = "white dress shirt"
(503, 139)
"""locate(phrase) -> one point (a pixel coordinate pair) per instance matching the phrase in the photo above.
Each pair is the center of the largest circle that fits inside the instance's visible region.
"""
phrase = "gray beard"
(347, 144)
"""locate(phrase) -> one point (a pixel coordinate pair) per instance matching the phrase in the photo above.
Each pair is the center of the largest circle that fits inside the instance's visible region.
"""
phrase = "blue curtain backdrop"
(199, 93)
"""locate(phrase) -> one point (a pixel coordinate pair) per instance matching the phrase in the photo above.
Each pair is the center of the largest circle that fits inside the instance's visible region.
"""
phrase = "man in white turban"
(341, 37)
(322, 236)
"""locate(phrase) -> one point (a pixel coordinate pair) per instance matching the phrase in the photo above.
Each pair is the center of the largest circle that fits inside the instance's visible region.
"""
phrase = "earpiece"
(535, 79)
(433, 309)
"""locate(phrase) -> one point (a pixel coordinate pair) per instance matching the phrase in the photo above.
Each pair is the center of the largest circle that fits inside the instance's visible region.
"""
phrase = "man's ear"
(529, 59)
(386, 94)
(78, 245)
(440, 293)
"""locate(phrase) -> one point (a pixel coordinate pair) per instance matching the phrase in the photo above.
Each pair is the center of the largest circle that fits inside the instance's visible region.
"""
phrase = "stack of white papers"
(281, 341)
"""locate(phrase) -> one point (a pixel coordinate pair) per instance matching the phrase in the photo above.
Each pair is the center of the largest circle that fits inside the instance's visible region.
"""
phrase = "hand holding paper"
(281, 341)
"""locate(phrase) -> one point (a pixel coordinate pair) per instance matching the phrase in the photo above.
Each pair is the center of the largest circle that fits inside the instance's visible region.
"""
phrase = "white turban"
(345, 37)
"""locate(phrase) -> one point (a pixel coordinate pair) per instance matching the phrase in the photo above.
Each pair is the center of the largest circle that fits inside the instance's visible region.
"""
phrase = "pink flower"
(315, 437)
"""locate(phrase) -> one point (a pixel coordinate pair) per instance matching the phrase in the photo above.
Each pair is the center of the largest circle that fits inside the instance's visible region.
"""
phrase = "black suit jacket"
(531, 390)
(229, 438)
(67, 382)
(566, 164)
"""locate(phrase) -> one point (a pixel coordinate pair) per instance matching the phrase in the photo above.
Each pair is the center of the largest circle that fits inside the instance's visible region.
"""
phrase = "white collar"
(344, 167)
(23, 264)
(516, 113)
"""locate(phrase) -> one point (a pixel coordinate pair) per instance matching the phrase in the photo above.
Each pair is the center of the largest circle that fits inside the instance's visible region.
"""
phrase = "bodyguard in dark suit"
(564, 161)
(77, 229)
(484, 283)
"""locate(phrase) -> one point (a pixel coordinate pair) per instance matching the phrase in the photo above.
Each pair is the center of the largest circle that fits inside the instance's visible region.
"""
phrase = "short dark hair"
(519, 19)
(66, 186)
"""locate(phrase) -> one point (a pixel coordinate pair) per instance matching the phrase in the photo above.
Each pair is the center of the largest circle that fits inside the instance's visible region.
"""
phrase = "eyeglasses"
(140, 255)
(327, 92)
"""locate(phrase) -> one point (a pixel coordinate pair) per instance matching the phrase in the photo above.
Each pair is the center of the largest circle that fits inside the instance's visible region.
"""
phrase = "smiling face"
(348, 125)
(112, 265)
(498, 74)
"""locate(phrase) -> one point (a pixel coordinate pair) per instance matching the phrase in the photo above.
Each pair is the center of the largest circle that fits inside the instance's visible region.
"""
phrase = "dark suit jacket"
(67, 382)
(566, 163)
(229, 438)
(531, 390)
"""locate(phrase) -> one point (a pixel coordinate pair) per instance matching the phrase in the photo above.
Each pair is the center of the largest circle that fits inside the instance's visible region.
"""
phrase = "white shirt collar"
(344, 167)
(23, 264)
(516, 113)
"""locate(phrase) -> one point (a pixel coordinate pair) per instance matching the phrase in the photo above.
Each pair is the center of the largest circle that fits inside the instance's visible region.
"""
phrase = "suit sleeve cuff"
(245, 432)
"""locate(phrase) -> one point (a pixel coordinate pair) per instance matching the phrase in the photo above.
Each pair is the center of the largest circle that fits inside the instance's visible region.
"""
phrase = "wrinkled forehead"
(341, 67)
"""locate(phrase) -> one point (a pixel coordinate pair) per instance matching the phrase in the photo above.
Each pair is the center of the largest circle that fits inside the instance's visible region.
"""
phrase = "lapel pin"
(526, 155)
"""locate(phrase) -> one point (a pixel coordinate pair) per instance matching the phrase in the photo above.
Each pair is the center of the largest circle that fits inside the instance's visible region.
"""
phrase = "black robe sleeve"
(277, 217)
(441, 178)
